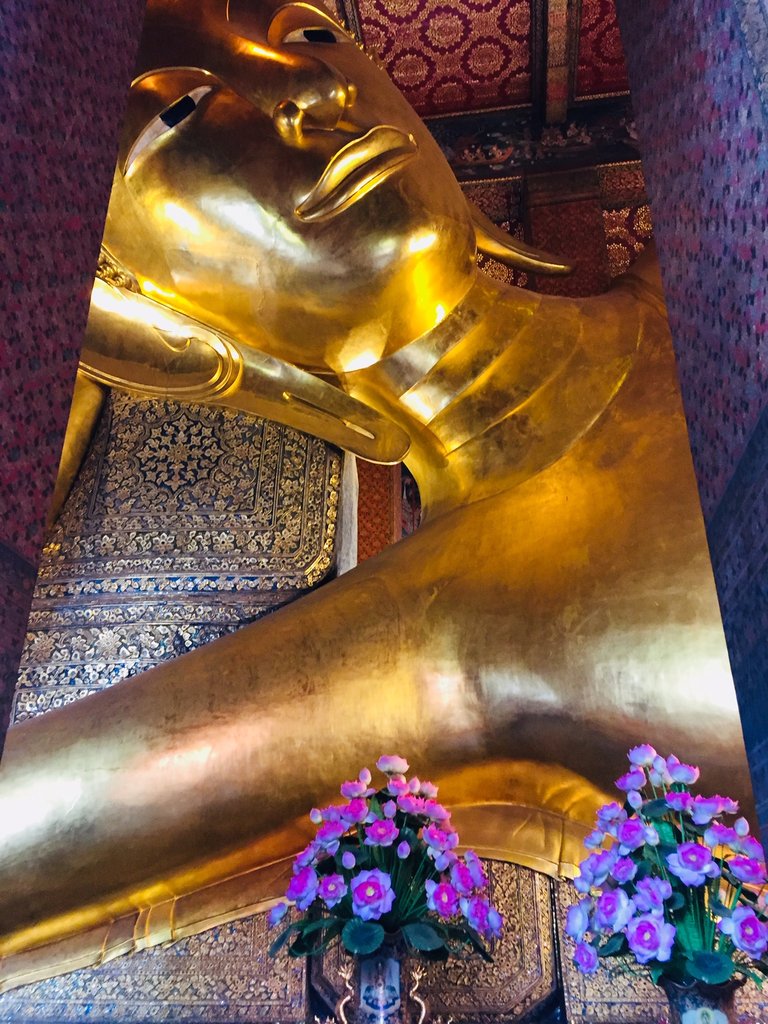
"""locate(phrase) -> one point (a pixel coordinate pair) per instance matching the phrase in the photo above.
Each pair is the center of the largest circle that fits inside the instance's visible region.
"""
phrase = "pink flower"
(692, 864)
(435, 811)
(634, 779)
(276, 914)
(682, 803)
(372, 894)
(748, 870)
(302, 888)
(381, 832)
(705, 808)
(650, 938)
(442, 898)
(481, 916)
(585, 958)
(577, 921)
(329, 834)
(747, 931)
(333, 889)
(389, 809)
(462, 879)
(411, 804)
(428, 791)
(355, 789)
(476, 869)
(391, 764)
(613, 910)
(719, 835)
(437, 839)
(683, 773)
(642, 755)
(414, 785)
(397, 785)
(355, 812)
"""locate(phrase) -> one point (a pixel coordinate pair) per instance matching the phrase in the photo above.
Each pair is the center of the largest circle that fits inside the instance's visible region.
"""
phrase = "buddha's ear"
(492, 241)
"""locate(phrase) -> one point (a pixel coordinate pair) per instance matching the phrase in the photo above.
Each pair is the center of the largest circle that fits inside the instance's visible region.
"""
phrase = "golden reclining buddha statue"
(285, 238)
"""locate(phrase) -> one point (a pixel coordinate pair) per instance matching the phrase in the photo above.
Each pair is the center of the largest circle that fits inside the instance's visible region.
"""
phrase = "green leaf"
(362, 937)
(720, 908)
(613, 946)
(711, 968)
(283, 937)
(656, 972)
(422, 936)
(676, 901)
(655, 808)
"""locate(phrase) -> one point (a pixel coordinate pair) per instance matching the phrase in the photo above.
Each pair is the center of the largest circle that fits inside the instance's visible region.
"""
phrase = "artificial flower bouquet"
(669, 883)
(382, 868)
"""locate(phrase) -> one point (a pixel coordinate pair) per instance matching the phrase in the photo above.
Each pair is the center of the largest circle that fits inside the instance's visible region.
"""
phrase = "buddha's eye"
(166, 120)
(316, 35)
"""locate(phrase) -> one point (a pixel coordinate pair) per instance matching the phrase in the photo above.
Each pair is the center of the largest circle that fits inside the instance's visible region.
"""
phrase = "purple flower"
(613, 910)
(381, 832)
(391, 764)
(307, 856)
(333, 889)
(372, 894)
(428, 790)
(682, 803)
(302, 888)
(692, 864)
(329, 834)
(481, 916)
(445, 860)
(595, 869)
(355, 812)
(476, 869)
(389, 809)
(634, 779)
(585, 958)
(659, 773)
(442, 898)
(679, 772)
(741, 827)
(577, 920)
(348, 860)
(705, 808)
(609, 817)
(411, 804)
(642, 755)
(747, 931)
(316, 816)
(435, 811)
(595, 839)
(624, 870)
(650, 938)
(635, 799)
(403, 849)
(276, 914)
(631, 835)
(719, 835)
(397, 786)
(650, 894)
(748, 870)
(750, 847)
(461, 878)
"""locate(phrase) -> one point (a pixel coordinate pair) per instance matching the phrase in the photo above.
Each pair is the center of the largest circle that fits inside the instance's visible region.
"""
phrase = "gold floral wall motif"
(185, 523)
(522, 977)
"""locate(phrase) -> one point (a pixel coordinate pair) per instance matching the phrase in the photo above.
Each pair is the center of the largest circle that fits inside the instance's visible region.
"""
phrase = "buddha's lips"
(357, 168)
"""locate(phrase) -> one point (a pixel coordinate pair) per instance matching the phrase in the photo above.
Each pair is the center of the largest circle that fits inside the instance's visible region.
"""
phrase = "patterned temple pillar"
(699, 88)
(64, 74)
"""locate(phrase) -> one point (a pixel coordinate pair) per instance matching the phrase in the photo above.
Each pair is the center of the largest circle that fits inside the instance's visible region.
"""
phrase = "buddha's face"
(273, 183)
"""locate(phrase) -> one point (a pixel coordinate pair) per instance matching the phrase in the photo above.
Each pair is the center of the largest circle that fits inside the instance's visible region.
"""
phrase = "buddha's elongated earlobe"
(492, 241)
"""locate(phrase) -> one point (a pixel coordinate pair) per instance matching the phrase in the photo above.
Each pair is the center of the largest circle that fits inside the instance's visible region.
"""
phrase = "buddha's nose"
(317, 102)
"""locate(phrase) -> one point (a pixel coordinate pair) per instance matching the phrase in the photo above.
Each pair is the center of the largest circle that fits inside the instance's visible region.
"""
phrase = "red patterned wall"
(601, 68)
(452, 56)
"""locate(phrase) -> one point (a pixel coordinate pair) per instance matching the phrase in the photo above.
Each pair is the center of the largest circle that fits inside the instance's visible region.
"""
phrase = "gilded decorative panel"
(185, 523)
(522, 976)
(223, 976)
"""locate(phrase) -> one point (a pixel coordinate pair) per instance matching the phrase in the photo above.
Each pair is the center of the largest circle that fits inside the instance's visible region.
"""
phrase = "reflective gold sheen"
(279, 211)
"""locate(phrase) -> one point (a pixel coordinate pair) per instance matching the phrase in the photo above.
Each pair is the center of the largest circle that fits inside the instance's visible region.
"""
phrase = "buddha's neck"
(501, 387)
